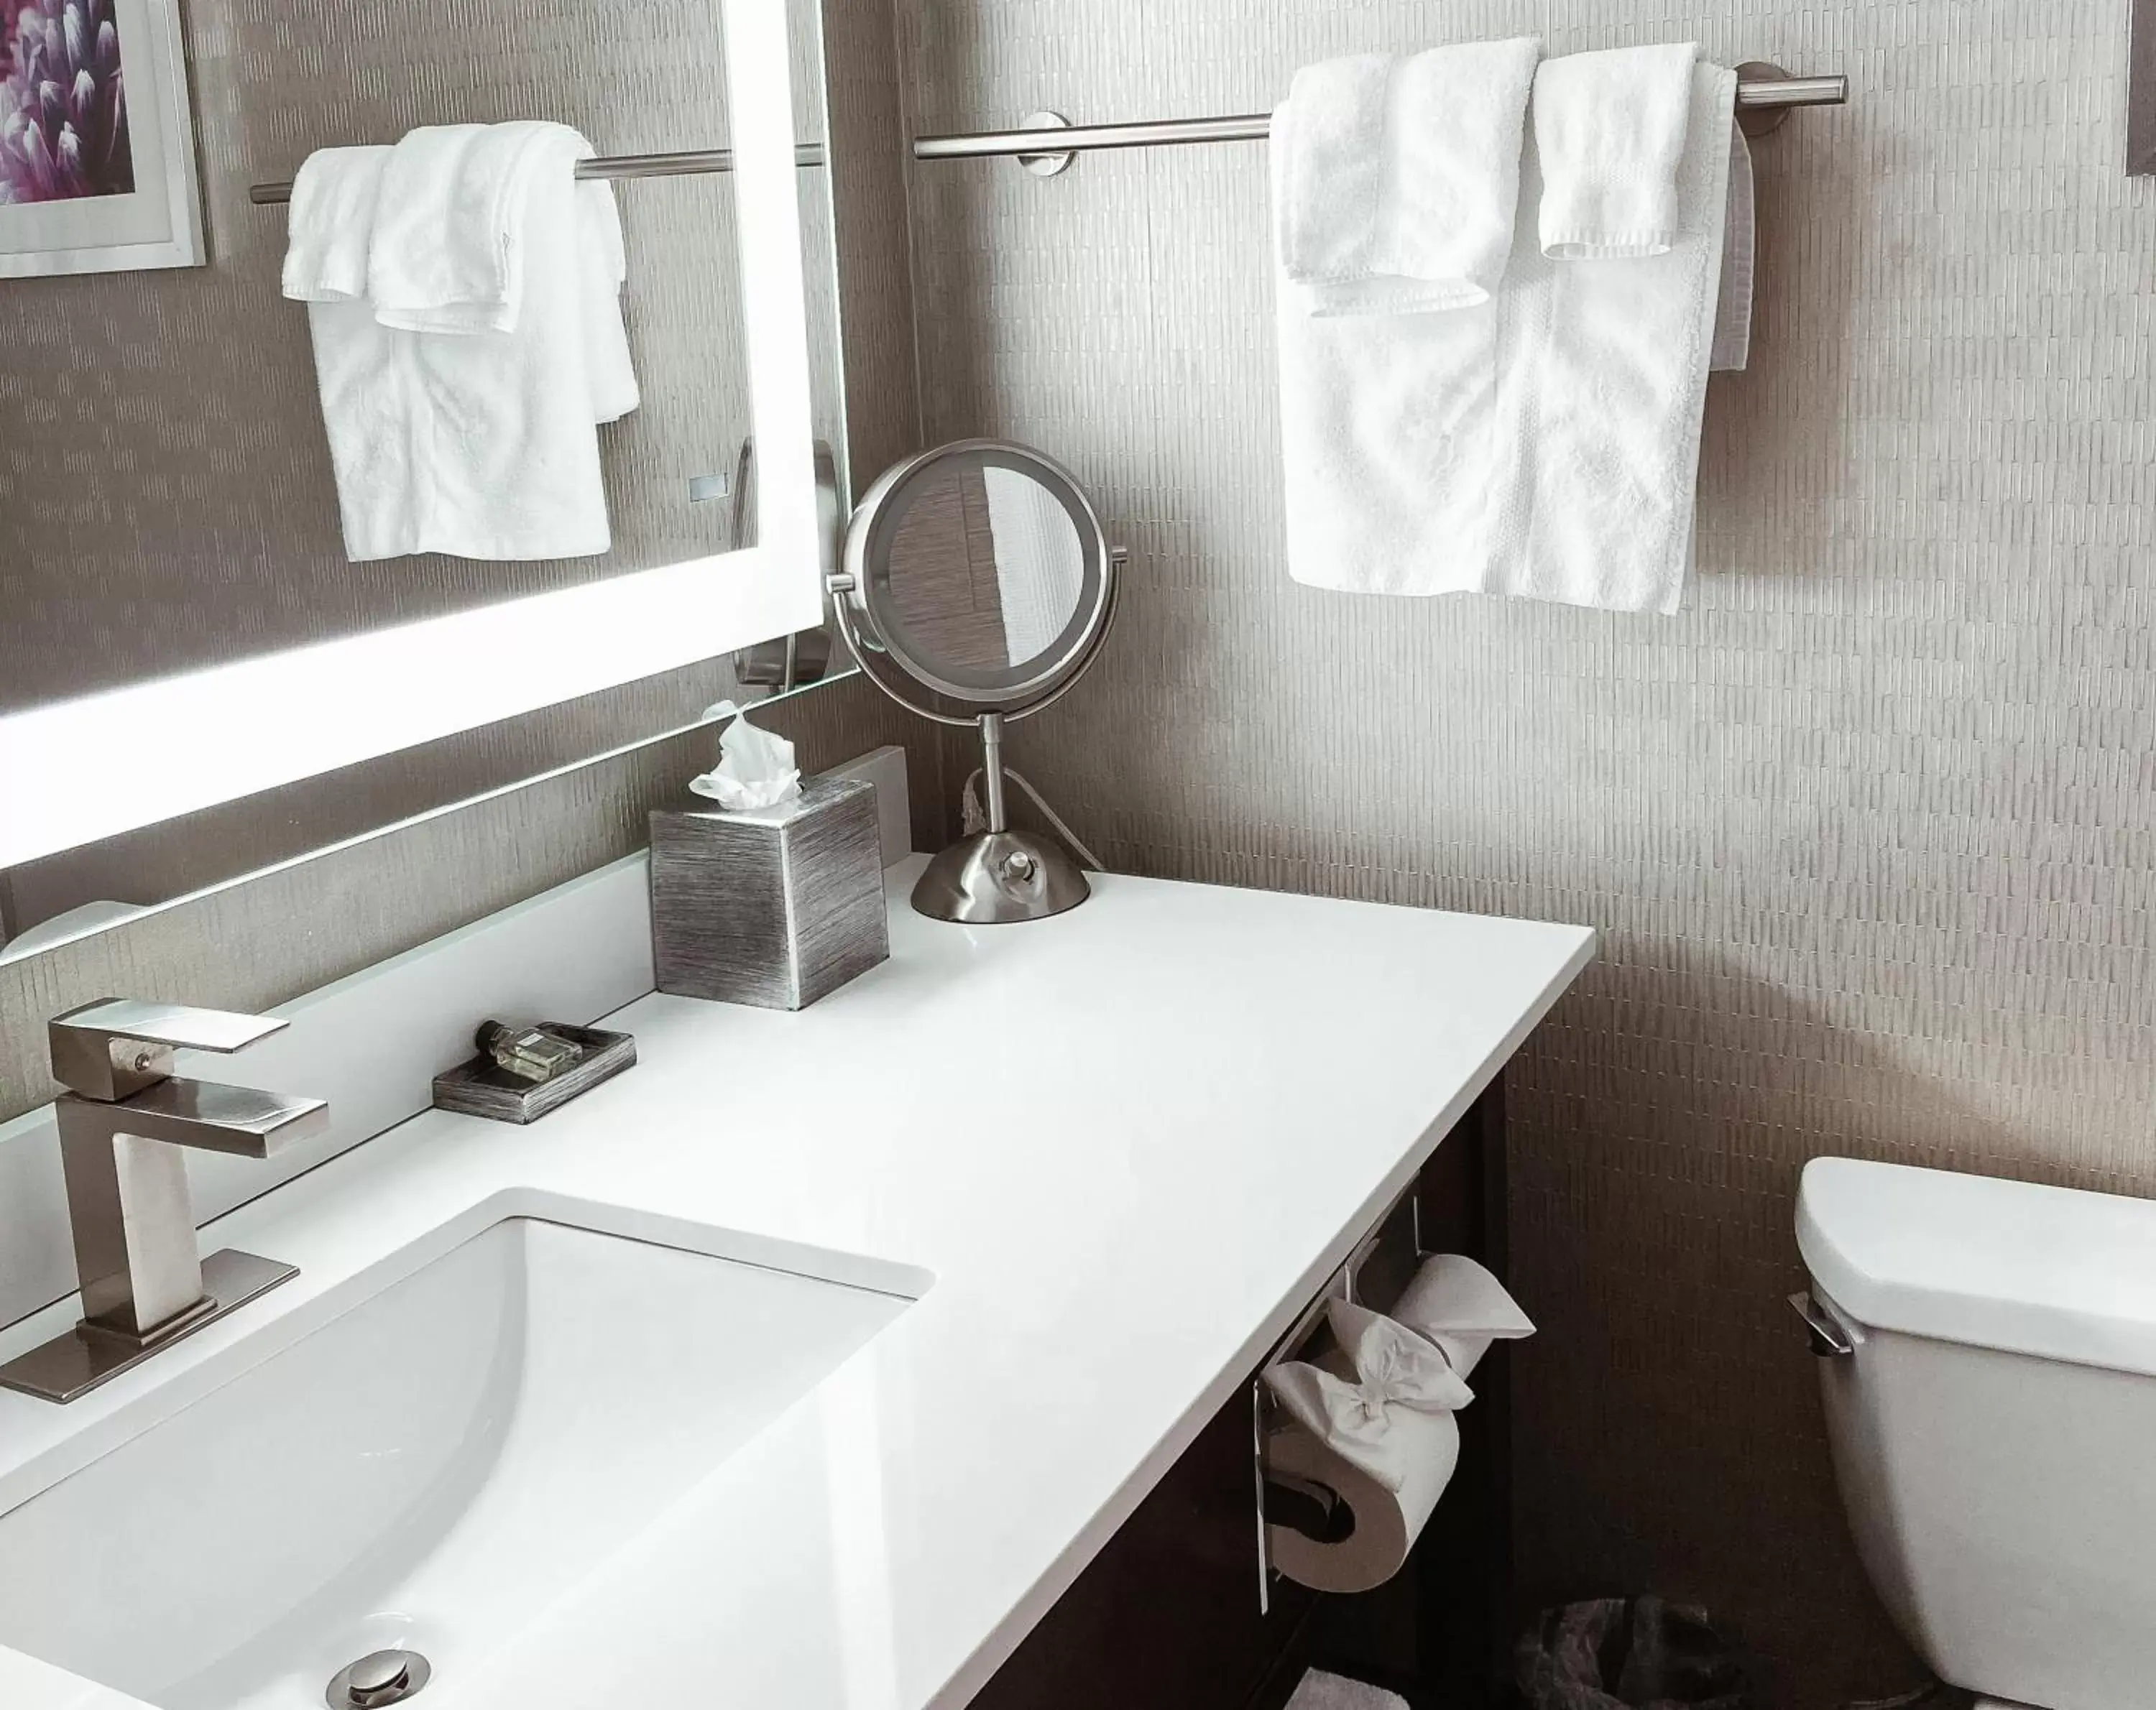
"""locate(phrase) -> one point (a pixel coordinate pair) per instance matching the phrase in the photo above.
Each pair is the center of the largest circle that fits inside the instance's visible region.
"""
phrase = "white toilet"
(1994, 1420)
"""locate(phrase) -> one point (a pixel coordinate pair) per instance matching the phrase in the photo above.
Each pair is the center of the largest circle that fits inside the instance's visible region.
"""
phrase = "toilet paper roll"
(1387, 1521)
(1461, 1306)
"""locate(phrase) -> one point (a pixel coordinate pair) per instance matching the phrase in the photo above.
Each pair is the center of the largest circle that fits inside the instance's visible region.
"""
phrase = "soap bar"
(775, 906)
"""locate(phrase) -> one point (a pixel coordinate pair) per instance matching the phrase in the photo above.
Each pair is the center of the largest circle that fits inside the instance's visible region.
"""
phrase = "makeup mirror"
(978, 587)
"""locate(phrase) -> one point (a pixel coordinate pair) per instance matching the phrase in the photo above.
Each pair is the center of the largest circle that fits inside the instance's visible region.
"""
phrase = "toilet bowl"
(1987, 1363)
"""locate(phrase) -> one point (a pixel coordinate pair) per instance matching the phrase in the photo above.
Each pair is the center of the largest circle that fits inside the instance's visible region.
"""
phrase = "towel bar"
(682, 163)
(1765, 94)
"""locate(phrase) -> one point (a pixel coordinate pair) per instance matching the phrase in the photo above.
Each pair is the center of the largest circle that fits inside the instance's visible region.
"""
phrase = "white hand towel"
(476, 436)
(331, 224)
(1610, 129)
(1740, 248)
(1396, 182)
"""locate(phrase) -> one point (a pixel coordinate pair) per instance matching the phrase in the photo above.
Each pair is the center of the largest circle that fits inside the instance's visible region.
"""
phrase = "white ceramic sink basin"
(427, 1470)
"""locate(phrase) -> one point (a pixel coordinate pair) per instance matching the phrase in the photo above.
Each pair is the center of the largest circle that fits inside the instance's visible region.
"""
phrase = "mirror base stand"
(997, 877)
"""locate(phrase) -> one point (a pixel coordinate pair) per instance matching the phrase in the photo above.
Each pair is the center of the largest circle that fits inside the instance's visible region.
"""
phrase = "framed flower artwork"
(97, 156)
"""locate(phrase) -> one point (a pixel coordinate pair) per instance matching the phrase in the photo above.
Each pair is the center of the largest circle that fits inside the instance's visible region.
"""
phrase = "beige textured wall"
(1869, 829)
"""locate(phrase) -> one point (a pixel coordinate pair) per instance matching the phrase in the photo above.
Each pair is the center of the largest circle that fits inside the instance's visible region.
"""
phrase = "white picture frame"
(72, 772)
(158, 222)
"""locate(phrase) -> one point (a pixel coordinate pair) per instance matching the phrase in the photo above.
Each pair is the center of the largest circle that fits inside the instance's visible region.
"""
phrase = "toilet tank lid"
(2045, 1270)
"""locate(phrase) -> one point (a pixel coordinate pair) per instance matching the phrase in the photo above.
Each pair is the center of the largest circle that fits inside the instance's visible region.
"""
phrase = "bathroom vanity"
(811, 1363)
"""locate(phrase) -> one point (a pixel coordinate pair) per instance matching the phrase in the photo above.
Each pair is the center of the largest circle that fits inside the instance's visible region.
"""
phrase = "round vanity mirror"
(978, 587)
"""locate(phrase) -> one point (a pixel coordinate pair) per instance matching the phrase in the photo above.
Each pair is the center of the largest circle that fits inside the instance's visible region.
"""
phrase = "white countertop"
(1128, 1143)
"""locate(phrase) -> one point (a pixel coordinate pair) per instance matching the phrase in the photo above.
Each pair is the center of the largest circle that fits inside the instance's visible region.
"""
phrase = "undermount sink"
(425, 1471)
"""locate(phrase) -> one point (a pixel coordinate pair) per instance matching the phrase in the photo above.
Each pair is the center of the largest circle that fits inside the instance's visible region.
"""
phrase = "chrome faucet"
(122, 1125)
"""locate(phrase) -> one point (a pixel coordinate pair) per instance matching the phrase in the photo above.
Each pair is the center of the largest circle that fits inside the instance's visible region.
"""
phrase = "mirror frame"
(881, 648)
(74, 771)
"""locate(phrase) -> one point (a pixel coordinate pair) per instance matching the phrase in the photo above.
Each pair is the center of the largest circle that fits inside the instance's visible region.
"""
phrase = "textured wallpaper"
(1869, 829)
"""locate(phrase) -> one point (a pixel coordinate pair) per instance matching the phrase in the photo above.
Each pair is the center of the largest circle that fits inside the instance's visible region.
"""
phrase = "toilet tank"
(1993, 1430)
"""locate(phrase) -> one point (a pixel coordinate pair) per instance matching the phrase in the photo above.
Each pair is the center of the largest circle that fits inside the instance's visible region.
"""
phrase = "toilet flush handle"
(1829, 1341)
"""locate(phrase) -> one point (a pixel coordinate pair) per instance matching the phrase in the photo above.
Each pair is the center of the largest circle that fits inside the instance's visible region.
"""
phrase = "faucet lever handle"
(117, 1047)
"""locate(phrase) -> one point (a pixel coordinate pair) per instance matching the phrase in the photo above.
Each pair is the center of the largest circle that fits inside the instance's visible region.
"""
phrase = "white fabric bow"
(1395, 1367)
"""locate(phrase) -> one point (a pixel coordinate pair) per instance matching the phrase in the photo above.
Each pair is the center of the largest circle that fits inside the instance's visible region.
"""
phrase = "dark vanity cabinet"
(1167, 1616)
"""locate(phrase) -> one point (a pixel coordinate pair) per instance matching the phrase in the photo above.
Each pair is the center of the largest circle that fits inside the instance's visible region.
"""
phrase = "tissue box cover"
(773, 907)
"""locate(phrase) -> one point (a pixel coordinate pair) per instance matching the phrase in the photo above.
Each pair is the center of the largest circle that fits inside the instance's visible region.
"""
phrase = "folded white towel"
(1389, 419)
(461, 395)
(331, 224)
(1543, 444)
(452, 241)
(1610, 129)
(1604, 381)
(1395, 181)
(1740, 247)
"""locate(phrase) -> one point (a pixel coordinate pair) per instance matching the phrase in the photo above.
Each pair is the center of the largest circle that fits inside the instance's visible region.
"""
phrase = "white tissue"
(756, 768)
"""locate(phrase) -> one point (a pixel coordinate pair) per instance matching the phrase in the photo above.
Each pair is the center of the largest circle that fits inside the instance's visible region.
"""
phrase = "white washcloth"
(475, 435)
(1740, 248)
(1610, 129)
(1544, 444)
(453, 240)
(331, 224)
(1395, 181)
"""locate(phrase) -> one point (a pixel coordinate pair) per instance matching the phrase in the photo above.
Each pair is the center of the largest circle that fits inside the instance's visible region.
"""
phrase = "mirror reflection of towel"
(1040, 562)
(463, 389)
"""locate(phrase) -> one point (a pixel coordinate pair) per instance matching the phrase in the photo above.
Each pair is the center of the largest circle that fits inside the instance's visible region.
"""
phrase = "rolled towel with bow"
(1372, 1426)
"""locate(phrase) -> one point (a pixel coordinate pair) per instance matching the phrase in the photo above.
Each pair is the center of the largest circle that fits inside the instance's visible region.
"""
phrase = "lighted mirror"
(206, 667)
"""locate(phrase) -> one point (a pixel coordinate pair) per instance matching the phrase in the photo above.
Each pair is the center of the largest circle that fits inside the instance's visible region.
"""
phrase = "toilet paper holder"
(1301, 1504)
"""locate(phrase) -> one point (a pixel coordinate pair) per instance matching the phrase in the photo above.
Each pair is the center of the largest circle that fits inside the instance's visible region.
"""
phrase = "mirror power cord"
(975, 820)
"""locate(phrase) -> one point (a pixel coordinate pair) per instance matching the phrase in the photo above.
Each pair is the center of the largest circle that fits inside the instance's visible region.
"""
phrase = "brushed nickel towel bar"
(1765, 94)
(680, 164)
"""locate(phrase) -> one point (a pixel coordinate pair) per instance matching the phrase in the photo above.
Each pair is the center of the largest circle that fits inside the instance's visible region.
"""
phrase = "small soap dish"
(482, 1088)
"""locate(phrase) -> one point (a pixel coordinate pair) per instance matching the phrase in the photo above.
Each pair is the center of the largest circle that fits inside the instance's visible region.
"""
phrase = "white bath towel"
(1605, 384)
(1543, 444)
(1395, 181)
(1740, 248)
(462, 394)
(1610, 129)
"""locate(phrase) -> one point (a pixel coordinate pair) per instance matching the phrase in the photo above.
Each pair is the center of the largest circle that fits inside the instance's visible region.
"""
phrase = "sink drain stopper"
(380, 1678)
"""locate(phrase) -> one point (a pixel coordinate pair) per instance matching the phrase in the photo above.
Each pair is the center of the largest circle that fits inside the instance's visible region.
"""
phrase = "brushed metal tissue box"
(773, 907)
